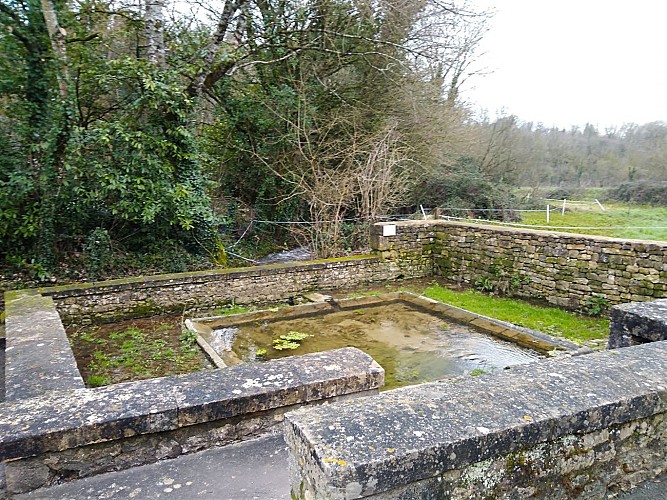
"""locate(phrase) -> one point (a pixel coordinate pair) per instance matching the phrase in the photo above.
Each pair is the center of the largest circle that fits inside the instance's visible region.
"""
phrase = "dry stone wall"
(145, 296)
(567, 270)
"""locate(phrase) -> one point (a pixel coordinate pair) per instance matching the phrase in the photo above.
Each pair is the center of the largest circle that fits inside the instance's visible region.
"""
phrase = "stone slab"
(317, 297)
(409, 435)
(255, 469)
(39, 358)
(63, 420)
(638, 322)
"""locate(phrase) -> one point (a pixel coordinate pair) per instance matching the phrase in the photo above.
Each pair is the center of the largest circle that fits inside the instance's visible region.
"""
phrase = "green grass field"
(618, 220)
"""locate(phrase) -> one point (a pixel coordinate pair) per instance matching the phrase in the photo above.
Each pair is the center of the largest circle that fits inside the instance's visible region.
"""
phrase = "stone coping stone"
(38, 356)
(61, 420)
(370, 446)
(638, 322)
(215, 275)
(431, 225)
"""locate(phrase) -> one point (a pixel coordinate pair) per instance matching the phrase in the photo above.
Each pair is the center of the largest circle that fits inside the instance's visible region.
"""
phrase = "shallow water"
(292, 255)
(412, 346)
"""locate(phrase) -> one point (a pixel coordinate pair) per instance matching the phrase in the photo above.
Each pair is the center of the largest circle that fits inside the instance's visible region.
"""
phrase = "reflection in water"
(412, 346)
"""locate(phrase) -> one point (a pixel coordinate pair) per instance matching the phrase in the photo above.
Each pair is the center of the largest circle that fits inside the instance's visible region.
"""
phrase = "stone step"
(255, 469)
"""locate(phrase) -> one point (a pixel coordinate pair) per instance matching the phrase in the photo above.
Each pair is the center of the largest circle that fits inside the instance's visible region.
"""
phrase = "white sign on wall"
(389, 230)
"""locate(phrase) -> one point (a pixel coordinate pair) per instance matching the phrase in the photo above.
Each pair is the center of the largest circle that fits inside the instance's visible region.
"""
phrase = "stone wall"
(205, 290)
(637, 323)
(589, 426)
(565, 269)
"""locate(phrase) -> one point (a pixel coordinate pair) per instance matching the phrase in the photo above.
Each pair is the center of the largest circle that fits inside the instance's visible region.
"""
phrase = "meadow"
(617, 220)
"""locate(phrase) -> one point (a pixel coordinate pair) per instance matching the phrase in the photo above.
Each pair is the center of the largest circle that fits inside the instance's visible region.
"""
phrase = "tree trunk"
(213, 71)
(154, 31)
(57, 37)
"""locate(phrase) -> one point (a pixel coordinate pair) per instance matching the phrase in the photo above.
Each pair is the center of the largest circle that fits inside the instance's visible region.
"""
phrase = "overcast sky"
(568, 62)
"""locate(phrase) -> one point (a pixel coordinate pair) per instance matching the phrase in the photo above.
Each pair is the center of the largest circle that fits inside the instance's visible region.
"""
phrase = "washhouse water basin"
(413, 338)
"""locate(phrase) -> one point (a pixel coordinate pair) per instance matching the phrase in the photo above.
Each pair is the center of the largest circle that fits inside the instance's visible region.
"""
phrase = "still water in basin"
(412, 346)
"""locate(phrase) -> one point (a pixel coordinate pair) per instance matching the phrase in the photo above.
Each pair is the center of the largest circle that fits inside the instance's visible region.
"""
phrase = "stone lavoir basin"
(415, 339)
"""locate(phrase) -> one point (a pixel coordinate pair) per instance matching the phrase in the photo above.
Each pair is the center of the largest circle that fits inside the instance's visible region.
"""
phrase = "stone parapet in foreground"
(67, 435)
(590, 425)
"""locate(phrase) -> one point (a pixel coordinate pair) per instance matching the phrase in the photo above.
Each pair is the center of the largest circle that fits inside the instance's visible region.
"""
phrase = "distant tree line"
(526, 154)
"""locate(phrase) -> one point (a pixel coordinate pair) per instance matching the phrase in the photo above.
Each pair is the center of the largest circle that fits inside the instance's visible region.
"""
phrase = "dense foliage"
(654, 193)
(131, 141)
(128, 136)
(464, 191)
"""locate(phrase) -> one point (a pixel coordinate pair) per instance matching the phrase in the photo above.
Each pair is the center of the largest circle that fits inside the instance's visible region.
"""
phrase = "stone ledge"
(38, 357)
(401, 437)
(64, 420)
(637, 323)
(433, 225)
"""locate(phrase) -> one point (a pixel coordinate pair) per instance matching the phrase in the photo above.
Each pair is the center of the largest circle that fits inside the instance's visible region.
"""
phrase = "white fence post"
(563, 212)
(548, 208)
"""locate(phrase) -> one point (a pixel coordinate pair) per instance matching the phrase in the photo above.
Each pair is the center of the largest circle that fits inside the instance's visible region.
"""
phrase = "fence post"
(548, 208)
(563, 212)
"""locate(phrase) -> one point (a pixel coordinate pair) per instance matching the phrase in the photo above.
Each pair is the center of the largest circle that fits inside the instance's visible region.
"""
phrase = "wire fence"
(551, 227)
(559, 205)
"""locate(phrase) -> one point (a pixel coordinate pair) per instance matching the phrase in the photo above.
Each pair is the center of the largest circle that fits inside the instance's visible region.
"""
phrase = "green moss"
(147, 308)
(577, 452)
(333, 259)
(515, 461)
(431, 247)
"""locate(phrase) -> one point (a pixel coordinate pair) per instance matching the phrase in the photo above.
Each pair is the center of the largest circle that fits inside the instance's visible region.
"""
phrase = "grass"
(233, 309)
(572, 326)
(241, 309)
(619, 220)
